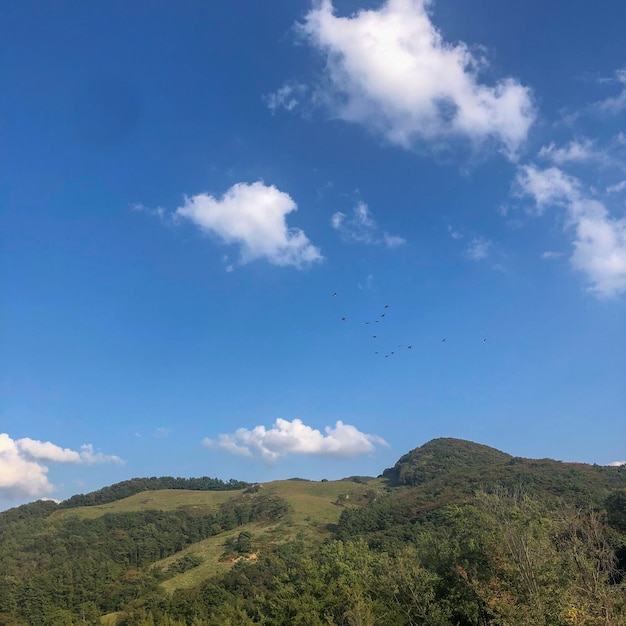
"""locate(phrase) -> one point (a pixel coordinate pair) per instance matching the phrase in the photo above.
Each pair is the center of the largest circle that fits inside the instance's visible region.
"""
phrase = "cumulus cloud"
(478, 248)
(391, 71)
(87, 455)
(360, 226)
(22, 471)
(295, 437)
(46, 451)
(252, 216)
(617, 463)
(600, 239)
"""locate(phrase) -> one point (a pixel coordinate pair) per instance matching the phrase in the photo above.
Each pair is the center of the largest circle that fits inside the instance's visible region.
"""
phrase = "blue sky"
(185, 186)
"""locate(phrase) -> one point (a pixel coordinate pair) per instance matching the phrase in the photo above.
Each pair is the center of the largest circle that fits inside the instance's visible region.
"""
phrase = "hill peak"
(441, 456)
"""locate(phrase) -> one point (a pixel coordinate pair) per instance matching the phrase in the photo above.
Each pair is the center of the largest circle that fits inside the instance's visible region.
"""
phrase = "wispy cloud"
(391, 71)
(478, 249)
(455, 233)
(600, 239)
(287, 97)
(360, 226)
(607, 107)
(615, 104)
(550, 254)
(582, 151)
(367, 283)
(22, 468)
(617, 188)
(158, 212)
(252, 216)
(295, 437)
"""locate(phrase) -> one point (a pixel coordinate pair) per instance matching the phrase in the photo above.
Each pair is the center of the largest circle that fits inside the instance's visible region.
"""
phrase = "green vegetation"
(138, 485)
(456, 534)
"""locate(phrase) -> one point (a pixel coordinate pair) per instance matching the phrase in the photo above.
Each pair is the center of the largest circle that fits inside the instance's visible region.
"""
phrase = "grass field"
(162, 500)
(314, 507)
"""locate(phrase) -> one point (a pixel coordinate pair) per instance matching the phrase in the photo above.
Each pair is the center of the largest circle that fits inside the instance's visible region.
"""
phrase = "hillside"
(239, 553)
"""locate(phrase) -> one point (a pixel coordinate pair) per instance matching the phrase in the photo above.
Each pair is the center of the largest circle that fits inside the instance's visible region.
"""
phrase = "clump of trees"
(130, 487)
(52, 571)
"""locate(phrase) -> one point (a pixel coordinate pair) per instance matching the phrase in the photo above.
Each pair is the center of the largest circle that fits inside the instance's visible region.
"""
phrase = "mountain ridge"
(174, 555)
(440, 460)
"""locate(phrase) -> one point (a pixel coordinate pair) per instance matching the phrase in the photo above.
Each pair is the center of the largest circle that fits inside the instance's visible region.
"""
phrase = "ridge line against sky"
(401, 153)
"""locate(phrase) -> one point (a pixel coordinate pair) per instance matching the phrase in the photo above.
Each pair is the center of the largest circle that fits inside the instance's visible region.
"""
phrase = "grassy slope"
(314, 506)
(163, 500)
(313, 510)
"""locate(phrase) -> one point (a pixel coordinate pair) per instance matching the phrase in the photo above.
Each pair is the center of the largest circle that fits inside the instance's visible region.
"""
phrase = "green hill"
(455, 533)
(443, 456)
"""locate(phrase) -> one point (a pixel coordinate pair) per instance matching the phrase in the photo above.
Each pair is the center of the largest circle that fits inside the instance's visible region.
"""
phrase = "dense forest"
(455, 534)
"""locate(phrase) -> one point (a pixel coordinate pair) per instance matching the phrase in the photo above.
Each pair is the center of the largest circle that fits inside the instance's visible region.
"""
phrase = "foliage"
(441, 457)
(137, 485)
(185, 563)
(455, 535)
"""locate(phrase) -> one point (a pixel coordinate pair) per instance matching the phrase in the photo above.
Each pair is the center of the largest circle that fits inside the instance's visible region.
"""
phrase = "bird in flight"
(386, 306)
(485, 340)
(382, 315)
(334, 294)
(410, 347)
(443, 340)
(343, 319)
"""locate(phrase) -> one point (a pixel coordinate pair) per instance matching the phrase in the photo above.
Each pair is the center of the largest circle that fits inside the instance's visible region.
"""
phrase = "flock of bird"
(380, 319)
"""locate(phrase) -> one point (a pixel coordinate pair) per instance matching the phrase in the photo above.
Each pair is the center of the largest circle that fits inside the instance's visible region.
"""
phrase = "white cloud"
(253, 216)
(46, 451)
(287, 97)
(367, 284)
(87, 455)
(295, 437)
(22, 471)
(160, 213)
(617, 103)
(455, 234)
(391, 71)
(550, 254)
(393, 241)
(600, 241)
(617, 187)
(478, 248)
(573, 152)
(548, 187)
(360, 226)
(617, 463)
